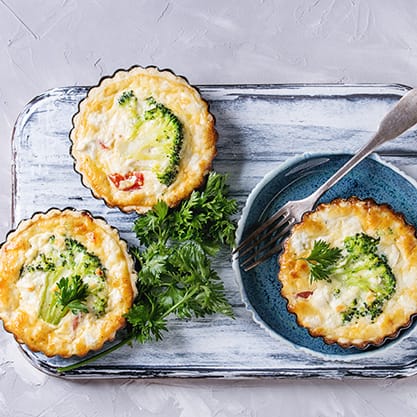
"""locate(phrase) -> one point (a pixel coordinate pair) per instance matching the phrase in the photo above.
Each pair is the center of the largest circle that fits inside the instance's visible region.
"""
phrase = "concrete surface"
(45, 44)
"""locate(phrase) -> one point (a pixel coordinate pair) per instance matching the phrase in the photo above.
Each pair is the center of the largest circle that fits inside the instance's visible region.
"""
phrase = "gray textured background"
(46, 44)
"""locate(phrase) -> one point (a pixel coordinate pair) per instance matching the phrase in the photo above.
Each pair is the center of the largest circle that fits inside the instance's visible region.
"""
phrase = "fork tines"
(265, 241)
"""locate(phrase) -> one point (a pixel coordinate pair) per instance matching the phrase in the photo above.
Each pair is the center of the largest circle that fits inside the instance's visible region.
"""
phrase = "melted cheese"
(321, 312)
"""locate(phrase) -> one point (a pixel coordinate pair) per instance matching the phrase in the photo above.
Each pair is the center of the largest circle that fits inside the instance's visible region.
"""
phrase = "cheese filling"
(143, 137)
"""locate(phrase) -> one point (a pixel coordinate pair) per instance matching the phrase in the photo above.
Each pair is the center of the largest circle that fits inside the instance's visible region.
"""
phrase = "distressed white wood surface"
(259, 127)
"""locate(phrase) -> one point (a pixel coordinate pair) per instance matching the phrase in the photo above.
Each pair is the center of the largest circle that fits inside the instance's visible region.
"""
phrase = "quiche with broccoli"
(142, 136)
(349, 272)
(66, 283)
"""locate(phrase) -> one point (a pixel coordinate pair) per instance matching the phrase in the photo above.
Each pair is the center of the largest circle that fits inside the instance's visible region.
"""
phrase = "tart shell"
(74, 335)
(313, 304)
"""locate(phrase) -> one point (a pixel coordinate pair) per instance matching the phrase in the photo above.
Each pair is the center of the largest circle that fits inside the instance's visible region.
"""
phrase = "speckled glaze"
(295, 179)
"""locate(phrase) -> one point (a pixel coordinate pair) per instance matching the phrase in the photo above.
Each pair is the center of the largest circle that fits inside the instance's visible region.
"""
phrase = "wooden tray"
(259, 127)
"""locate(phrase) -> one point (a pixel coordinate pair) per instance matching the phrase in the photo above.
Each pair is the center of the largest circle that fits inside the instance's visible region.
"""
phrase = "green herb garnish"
(70, 296)
(322, 260)
(175, 275)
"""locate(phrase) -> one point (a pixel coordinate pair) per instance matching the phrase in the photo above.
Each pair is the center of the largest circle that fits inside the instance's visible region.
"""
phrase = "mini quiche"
(349, 272)
(66, 283)
(141, 136)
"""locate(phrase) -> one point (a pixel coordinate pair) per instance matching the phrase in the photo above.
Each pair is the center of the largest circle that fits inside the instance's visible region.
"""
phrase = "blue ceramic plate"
(296, 179)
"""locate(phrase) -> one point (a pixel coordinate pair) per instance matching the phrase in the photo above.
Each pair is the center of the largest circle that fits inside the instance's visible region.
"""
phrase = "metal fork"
(268, 238)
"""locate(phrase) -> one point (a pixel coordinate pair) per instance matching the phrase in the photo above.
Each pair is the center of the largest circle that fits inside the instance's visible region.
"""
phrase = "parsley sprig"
(175, 273)
(174, 263)
(322, 260)
(203, 218)
(72, 293)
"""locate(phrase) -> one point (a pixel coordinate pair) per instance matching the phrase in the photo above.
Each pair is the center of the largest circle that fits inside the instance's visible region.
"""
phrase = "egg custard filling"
(349, 272)
(66, 283)
(141, 136)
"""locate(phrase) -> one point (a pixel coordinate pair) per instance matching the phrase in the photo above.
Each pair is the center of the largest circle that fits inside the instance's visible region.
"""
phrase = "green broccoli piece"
(74, 280)
(43, 263)
(161, 144)
(368, 270)
(360, 244)
(169, 136)
(129, 102)
(127, 98)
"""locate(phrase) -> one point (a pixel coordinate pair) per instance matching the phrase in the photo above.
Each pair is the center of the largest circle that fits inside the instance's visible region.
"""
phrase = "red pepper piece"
(305, 294)
(132, 180)
(103, 145)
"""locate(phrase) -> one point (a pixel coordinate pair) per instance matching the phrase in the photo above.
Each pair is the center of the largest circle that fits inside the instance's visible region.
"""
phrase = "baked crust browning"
(20, 298)
(98, 118)
(315, 303)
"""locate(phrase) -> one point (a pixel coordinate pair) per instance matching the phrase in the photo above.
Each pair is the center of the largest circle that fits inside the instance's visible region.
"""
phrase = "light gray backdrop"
(46, 44)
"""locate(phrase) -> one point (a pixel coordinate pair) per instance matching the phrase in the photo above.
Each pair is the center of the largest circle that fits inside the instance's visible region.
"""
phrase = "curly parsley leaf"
(175, 272)
(71, 294)
(205, 217)
(174, 262)
(322, 260)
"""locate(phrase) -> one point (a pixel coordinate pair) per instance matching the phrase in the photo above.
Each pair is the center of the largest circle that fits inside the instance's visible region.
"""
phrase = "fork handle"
(399, 119)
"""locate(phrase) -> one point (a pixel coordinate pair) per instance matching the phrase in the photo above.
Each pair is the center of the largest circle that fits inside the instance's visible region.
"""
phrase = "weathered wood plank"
(259, 127)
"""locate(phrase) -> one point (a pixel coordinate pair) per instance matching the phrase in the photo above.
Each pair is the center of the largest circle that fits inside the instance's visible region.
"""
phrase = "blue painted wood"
(259, 127)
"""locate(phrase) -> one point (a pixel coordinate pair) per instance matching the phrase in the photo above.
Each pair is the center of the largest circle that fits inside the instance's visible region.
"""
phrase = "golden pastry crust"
(100, 137)
(21, 295)
(317, 305)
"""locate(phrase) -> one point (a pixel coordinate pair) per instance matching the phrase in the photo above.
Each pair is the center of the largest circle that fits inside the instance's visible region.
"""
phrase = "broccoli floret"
(69, 271)
(169, 137)
(129, 101)
(360, 244)
(127, 97)
(161, 146)
(82, 262)
(368, 270)
(42, 263)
